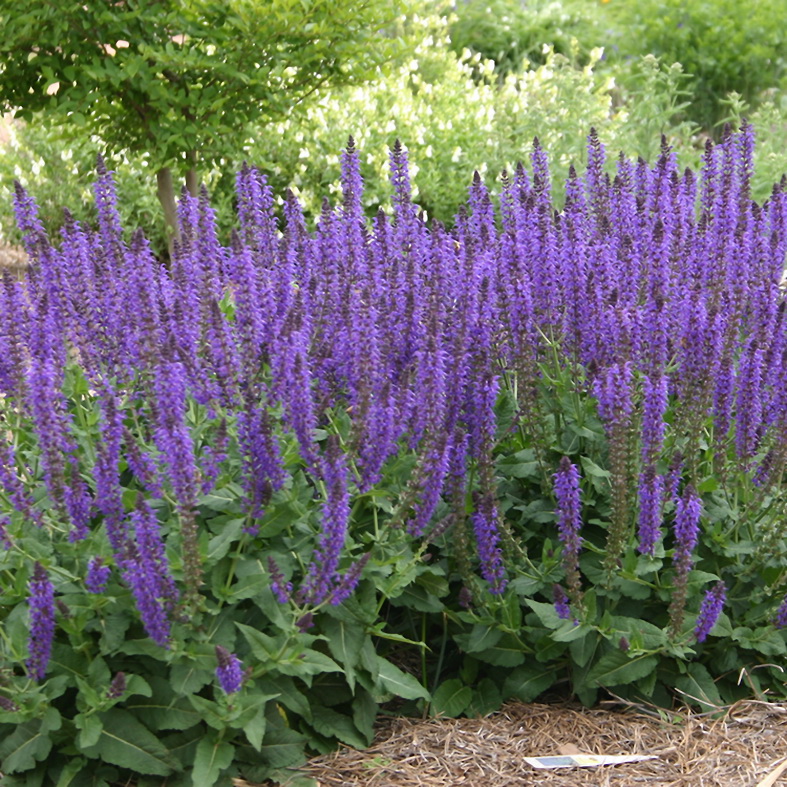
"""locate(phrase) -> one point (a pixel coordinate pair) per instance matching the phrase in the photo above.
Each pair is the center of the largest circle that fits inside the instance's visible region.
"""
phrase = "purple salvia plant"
(14, 321)
(281, 589)
(263, 472)
(749, 404)
(686, 531)
(41, 600)
(569, 522)
(229, 671)
(97, 575)
(651, 500)
(614, 391)
(780, 620)
(711, 608)
(349, 581)
(322, 576)
(145, 569)
(5, 539)
(117, 687)
(561, 602)
(14, 487)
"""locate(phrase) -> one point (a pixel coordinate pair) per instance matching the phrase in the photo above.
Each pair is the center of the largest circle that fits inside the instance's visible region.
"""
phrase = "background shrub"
(724, 45)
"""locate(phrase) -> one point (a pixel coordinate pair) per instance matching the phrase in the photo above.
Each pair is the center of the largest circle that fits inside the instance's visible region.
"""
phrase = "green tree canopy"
(182, 80)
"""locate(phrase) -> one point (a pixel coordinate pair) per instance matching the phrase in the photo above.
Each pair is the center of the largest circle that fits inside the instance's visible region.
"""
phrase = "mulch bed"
(745, 746)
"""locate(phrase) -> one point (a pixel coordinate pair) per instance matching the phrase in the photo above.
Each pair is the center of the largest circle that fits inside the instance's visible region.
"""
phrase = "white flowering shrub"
(455, 115)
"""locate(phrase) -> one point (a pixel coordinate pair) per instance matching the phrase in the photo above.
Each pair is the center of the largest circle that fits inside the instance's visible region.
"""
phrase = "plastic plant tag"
(586, 760)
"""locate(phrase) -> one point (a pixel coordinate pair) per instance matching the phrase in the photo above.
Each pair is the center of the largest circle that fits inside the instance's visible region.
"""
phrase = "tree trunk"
(166, 196)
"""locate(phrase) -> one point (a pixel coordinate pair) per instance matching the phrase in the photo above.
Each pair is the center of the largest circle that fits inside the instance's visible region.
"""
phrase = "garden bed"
(743, 746)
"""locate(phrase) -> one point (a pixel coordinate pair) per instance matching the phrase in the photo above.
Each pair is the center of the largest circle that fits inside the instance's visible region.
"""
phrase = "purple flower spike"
(97, 575)
(561, 603)
(229, 672)
(42, 622)
(780, 621)
(280, 588)
(710, 610)
(687, 519)
(569, 511)
(651, 498)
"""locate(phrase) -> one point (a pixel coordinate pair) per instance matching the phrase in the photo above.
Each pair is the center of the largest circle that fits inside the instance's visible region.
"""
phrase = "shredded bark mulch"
(744, 746)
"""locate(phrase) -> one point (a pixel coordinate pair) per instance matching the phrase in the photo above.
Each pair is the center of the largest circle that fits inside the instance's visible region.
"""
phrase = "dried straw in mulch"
(744, 747)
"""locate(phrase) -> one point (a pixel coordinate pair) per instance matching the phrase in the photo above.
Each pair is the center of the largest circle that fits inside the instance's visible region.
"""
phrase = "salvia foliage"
(251, 496)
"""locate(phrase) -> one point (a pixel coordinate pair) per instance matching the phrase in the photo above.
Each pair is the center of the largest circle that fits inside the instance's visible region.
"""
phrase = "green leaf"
(345, 642)
(525, 683)
(90, 729)
(451, 698)
(289, 695)
(399, 683)
(479, 638)
(26, 745)
(699, 688)
(365, 714)
(307, 663)
(220, 544)
(333, 724)
(592, 469)
(283, 748)
(126, 742)
(617, 668)
(486, 699)
(255, 729)
(211, 758)
(546, 613)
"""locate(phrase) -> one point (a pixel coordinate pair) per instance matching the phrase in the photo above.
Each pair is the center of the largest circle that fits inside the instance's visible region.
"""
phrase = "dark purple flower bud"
(674, 476)
(624, 644)
(560, 600)
(5, 540)
(97, 575)
(710, 610)
(117, 688)
(280, 588)
(42, 622)
(229, 672)
(8, 705)
(305, 622)
(780, 621)
(465, 597)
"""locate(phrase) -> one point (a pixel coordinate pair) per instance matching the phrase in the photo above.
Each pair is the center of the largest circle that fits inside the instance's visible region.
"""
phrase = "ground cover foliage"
(253, 495)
